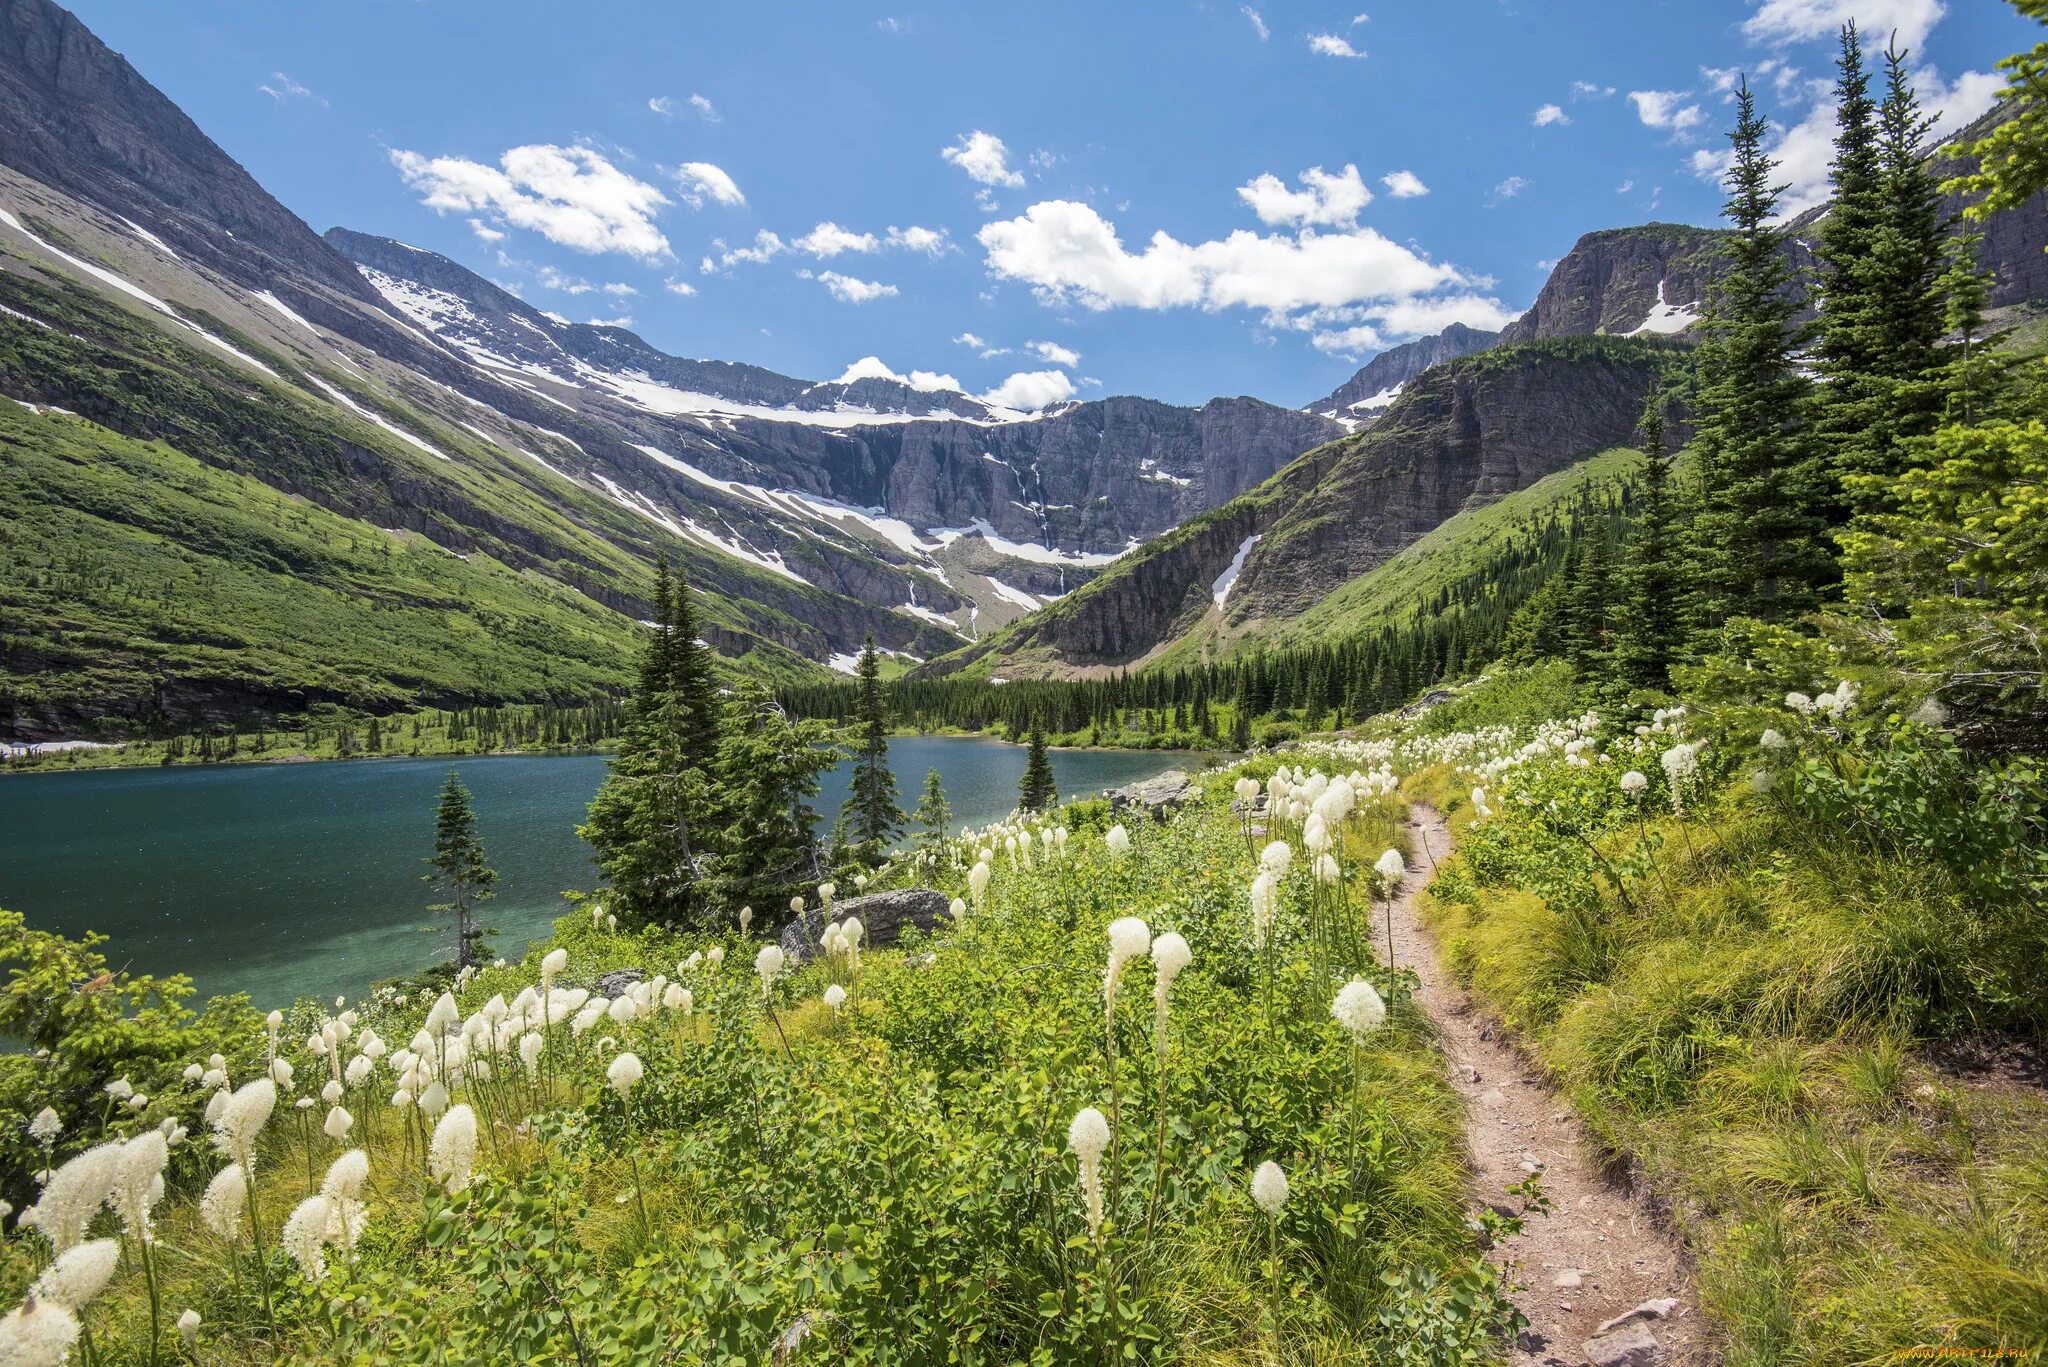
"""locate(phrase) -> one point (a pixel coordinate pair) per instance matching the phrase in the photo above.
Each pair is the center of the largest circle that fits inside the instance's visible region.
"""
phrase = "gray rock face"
(883, 914)
(1608, 282)
(1460, 436)
(1632, 1345)
(1396, 366)
(1161, 796)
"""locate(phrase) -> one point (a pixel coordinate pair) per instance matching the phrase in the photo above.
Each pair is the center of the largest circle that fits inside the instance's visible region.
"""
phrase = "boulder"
(618, 980)
(883, 914)
(1161, 796)
(1631, 1345)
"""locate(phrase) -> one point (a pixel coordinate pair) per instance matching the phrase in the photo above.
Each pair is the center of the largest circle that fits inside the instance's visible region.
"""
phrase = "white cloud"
(624, 321)
(618, 289)
(1054, 353)
(1404, 185)
(829, 240)
(1030, 390)
(873, 368)
(552, 279)
(1624, 187)
(849, 289)
(1348, 289)
(569, 195)
(766, 246)
(1957, 105)
(701, 181)
(664, 105)
(1330, 45)
(682, 287)
(1358, 19)
(1780, 21)
(981, 345)
(705, 109)
(891, 24)
(484, 231)
(283, 87)
(1591, 90)
(1329, 200)
(1662, 109)
(1258, 23)
(930, 241)
(984, 158)
(1509, 188)
(1550, 114)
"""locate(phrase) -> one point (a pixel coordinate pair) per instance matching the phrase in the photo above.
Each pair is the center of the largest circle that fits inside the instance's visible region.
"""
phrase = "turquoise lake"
(288, 880)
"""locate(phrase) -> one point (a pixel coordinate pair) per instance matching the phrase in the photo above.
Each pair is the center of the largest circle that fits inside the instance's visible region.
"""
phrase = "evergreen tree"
(1649, 638)
(1759, 545)
(765, 849)
(654, 809)
(1850, 402)
(870, 811)
(459, 869)
(1036, 790)
(933, 815)
(1583, 631)
(689, 676)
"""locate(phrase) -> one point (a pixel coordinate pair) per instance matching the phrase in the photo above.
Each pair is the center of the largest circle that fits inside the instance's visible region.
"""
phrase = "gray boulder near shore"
(883, 914)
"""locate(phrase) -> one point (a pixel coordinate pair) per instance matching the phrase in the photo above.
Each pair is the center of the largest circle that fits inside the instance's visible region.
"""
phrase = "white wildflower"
(337, 1124)
(305, 1236)
(1634, 782)
(1269, 1189)
(38, 1333)
(79, 1274)
(768, 964)
(242, 1119)
(1359, 1009)
(1117, 841)
(188, 1330)
(624, 1072)
(452, 1156)
(1088, 1138)
(227, 1195)
(835, 997)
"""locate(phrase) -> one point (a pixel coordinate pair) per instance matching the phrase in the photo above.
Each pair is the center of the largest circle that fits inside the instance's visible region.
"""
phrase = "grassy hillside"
(1471, 557)
(193, 542)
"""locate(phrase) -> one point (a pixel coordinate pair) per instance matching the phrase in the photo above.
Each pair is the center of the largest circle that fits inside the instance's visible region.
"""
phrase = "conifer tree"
(933, 815)
(768, 768)
(1759, 544)
(459, 869)
(689, 676)
(1036, 790)
(870, 812)
(1649, 638)
(1849, 405)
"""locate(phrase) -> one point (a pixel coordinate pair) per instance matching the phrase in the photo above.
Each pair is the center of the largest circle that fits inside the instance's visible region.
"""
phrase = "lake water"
(282, 880)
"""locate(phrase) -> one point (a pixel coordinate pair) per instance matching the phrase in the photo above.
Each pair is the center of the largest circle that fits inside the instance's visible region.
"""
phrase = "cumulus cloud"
(618, 289)
(765, 247)
(1662, 109)
(705, 109)
(1325, 199)
(1054, 353)
(984, 158)
(850, 289)
(622, 321)
(1781, 21)
(484, 231)
(1509, 188)
(1349, 289)
(701, 181)
(1258, 23)
(873, 368)
(1030, 390)
(1590, 90)
(569, 195)
(682, 287)
(664, 105)
(829, 240)
(1549, 114)
(1404, 185)
(930, 241)
(982, 345)
(1330, 45)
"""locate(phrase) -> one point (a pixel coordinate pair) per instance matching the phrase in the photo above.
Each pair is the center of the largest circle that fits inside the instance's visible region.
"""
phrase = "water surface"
(282, 880)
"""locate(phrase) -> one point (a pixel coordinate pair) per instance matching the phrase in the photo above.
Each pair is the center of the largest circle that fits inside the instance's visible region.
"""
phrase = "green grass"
(1758, 1030)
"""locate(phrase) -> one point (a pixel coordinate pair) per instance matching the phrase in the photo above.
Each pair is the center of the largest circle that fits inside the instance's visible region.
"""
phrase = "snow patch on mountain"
(1666, 319)
(1227, 580)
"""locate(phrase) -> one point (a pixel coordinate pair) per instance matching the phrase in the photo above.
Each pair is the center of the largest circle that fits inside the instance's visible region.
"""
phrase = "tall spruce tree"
(870, 812)
(459, 869)
(649, 822)
(1649, 639)
(769, 767)
(1849, 345)
(1036, 789)
(933, 815)
(1759, 544)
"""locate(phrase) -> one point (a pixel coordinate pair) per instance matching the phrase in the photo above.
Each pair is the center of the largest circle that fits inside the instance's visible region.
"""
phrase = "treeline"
(1458, 627)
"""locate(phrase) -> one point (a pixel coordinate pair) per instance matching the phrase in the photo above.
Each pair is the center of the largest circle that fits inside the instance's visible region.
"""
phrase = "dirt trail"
(1599, 1254)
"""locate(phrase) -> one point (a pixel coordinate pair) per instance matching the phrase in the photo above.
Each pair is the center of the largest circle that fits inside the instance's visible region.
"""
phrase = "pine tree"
(1759, 543)
(459, 869)
(689, 676)
(870, 811)
(1584, 628)
(933, 815)
(765, 848)
(1849, 404)
(1649, 639)
(1036, 790)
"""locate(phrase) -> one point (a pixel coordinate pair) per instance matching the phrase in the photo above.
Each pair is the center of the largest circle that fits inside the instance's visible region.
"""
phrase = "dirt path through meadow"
(1600, 1253)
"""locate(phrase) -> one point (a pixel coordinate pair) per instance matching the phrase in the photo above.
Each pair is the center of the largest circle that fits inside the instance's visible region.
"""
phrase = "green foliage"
(870, 811)
(1036, 790)
(459, 868)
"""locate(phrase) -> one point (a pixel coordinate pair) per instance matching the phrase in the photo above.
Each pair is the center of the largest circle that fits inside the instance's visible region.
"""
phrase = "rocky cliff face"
(1366, 395)
(1460, 436)
(1620, 281)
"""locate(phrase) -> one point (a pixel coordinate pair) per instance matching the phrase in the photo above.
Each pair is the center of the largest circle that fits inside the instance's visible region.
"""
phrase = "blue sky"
(1172, 199)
